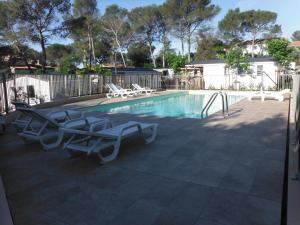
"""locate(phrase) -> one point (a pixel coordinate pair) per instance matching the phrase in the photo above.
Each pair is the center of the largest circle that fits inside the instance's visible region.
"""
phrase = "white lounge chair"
(143, 90)
(46, 130)
(280, 96)
(59, 116)
(129, 91)
(94, 141)
(115, 92)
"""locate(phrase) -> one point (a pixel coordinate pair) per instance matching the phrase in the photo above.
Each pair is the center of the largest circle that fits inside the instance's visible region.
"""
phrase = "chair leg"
(48, 146)
(153, 135)
(112, 156)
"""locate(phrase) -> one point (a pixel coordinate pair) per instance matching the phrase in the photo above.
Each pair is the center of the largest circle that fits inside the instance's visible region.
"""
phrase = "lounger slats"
(115, 131)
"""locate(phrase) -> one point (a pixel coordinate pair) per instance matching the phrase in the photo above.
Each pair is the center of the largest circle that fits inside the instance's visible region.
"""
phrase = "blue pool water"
(183, 105)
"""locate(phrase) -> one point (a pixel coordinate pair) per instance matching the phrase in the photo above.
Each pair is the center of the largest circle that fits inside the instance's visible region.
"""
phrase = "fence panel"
(36, 89)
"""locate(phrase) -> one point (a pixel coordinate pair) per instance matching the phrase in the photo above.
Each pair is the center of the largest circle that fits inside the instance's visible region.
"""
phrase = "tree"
(258, 22)
(296, 36)
(164, 28)
(67, 65)
(82, 26)
(40, 19)
(56, 52)
(188, 16)
(236, 60)
(209, 46)
(279, 50)
(254, 23)
(115, 22)
(138, 54)
(145, 23)
(13, 36)
(176, 62)
(230, 26)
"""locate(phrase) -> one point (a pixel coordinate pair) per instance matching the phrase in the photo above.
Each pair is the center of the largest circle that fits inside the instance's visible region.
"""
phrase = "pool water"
(182, 105)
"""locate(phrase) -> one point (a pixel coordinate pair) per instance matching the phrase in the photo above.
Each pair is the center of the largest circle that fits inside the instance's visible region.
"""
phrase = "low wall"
(293, 184)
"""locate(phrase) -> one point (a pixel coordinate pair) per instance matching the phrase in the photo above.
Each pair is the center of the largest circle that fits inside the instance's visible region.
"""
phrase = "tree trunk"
(253, 44)
(189, 47)
(163, 57)
(122, 55)
(93, 48)
(164, 51)
(182, 45)
(152, 56)
(44, 54)
(90, 50)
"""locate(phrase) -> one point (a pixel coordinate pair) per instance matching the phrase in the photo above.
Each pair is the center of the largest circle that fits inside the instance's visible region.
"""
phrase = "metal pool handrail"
(212, 99)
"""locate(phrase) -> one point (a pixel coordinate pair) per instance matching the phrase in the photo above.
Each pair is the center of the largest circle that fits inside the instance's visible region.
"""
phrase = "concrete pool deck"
(198, 172)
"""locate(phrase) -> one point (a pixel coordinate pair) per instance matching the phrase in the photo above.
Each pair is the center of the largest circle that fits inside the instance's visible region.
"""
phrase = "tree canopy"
(296, 35)
(254, 24)
(280, 51)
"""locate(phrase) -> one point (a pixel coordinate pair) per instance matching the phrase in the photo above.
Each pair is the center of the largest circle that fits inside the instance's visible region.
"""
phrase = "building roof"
(295, 44)
(129, 70)
(219, 61)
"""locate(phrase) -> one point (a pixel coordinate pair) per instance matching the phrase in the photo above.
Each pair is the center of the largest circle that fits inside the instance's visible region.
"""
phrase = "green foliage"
(279, 50)
(187, 16)
(145, 23)
(97, 69)
(235, 59)
(102, 70)
(138, 54)
(85, 70)
(209, 46)
(296, 36)
(67, 65)
(39, 19)
(255, 23)
(230, 25)
(56, 52)
(176, 62)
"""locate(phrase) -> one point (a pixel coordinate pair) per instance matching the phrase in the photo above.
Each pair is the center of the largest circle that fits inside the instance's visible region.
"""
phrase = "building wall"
(215, 77)
(41, 87)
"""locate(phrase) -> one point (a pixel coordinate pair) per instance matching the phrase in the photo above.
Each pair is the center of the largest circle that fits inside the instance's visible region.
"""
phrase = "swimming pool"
(182, 105)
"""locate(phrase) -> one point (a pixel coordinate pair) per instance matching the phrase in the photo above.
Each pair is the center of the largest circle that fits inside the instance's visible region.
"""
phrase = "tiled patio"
(198, 172)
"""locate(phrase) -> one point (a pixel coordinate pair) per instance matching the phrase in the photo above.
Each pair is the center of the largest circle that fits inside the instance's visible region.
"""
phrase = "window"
(259, 70)
(30, 91)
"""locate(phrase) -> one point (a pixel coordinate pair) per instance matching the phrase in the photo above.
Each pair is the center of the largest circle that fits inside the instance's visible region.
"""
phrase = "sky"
(287, 10)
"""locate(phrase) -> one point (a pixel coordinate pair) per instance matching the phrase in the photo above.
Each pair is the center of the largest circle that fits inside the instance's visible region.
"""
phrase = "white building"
(216, 75)
(258, 49)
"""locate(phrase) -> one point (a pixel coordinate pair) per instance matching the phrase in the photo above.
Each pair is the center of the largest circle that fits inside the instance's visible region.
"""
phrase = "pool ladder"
(211, 101)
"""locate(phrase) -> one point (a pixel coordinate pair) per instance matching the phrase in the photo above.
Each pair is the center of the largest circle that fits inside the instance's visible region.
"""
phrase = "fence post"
(79, 91)
(90, 83)
(5, 92)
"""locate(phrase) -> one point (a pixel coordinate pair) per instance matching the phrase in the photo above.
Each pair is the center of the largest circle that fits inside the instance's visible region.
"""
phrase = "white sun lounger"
(280, 96)
(129, 91)
(114, 91)
(46, 130)
(59, 116)
(142, 90)
(95, 141)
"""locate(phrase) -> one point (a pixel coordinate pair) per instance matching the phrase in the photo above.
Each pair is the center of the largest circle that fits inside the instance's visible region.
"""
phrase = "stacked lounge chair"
(280, 96)
(59, 116)
(44, 129)
(117, 91)
(142, 90)
(95, 140)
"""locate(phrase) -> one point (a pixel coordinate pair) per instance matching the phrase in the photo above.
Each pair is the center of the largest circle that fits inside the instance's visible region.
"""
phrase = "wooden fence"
(36, 89)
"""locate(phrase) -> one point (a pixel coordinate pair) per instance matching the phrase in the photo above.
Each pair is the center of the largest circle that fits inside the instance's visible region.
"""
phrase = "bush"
(101, 70)
(67, 65)
(280, 51)
(176, 61)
